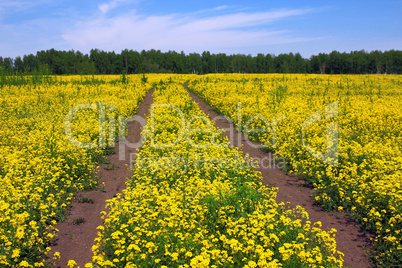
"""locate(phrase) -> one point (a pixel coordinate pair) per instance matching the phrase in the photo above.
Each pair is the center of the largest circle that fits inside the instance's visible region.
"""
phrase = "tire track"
(350, 238)
(75, 240)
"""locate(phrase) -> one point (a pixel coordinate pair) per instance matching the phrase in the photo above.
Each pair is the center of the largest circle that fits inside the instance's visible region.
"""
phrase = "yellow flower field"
(40, 169)
(193, 202)
(341, 132)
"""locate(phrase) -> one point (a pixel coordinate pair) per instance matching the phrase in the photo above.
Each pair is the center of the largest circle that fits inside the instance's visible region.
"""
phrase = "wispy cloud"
(7, 4)
(106, 7)
(10, 6)
(188, 32)
(221, 7)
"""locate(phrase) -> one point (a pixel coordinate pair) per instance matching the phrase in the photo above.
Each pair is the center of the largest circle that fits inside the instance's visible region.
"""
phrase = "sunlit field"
(340, 132)
(40, 169)
(202, 214)
(182, 207)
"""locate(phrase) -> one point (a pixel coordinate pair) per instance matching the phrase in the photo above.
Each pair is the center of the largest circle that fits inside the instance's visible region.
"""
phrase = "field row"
(41, 166)
(184, 208)
(192, 200)
(342, 133)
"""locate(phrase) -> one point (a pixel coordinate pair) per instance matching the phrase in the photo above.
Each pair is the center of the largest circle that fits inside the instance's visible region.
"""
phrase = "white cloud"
(221, 7)
(191, 33)
(106, 7)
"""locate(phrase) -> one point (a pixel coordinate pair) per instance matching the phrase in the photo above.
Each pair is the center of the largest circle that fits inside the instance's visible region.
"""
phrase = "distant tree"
(300, 64)
(323, 62)
(375, 62)
(393, 62)
(319, 63)
(269, 63)
(149, 66)
(235, 64)
(339, 63)
(282, 63)
(18, 64)
(222, 63)
(44, 59)
(85, 66)
(8, 64)
(260, 63)
(208, 62)
(100, 60)
(291, 63)
(397, 60)
(194, 63)
(172, 61)
(129, 61)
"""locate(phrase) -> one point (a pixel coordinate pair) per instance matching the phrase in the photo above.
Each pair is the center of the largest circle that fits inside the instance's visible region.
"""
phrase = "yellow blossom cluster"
(40, 167)
(343, 133)
(194, 202)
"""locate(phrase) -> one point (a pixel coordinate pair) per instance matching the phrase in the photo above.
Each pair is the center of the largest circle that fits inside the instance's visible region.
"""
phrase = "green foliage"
(124, 79)
(154, 61)
(144, 79)
(19, 79)
(85, 200)
(78, 221)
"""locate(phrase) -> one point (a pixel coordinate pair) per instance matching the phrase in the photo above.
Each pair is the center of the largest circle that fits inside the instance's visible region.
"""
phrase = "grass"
(111, 167)
(85, 200)
(78, 221)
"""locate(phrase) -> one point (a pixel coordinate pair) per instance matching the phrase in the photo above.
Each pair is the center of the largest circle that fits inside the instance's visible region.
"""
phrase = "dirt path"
(74, 241)
(350, 238)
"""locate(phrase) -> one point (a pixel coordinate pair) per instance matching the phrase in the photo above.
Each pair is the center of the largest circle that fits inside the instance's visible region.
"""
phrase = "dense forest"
(154, 61)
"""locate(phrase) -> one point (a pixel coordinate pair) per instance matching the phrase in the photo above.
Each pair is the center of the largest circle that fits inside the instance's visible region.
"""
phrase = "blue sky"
(308, 27)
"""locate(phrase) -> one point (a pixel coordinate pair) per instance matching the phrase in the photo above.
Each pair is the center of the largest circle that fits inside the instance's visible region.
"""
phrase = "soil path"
(349, 237)
(74, 241)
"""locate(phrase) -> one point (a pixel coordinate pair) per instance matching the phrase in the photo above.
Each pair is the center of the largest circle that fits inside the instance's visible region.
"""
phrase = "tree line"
(154, 61)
